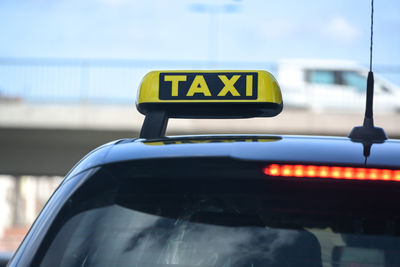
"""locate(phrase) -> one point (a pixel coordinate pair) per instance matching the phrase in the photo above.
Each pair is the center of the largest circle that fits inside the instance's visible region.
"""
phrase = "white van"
(333, 85)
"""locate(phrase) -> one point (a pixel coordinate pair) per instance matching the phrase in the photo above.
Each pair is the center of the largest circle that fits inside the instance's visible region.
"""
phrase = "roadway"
(48, 139)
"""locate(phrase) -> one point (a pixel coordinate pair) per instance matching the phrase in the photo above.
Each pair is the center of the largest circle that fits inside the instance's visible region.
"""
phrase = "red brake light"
(332, 172)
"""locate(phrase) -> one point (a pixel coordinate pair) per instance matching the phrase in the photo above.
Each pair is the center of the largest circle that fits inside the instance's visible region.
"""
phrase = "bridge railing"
(89, 80)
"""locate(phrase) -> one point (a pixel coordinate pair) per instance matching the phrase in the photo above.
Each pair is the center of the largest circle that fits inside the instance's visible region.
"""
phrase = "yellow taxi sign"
(210, 93)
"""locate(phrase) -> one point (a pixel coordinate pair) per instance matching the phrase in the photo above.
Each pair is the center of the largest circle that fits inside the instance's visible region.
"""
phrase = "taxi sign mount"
(205, 94)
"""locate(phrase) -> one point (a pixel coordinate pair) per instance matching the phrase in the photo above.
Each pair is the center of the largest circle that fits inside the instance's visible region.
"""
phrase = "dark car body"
(233, 165)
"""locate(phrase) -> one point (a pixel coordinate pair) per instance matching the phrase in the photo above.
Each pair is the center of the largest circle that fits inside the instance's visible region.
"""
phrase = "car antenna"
(368, 134)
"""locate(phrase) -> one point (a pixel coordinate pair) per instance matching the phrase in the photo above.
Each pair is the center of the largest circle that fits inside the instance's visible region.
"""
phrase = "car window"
(354, 79)
(322, 77)
(130, 219)
(119, 236)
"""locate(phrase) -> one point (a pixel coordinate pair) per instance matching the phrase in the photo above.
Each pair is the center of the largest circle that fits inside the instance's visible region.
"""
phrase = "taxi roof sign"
(207, 94)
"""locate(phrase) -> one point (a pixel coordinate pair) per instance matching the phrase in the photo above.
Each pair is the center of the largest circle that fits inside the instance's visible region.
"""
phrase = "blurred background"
(69, 72)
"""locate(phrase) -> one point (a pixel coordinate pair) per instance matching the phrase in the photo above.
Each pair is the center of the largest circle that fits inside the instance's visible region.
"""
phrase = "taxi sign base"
(154, 125)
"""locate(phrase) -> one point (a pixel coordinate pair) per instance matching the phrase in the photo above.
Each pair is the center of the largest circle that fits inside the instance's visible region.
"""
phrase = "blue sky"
(180, 30)
(192, 30)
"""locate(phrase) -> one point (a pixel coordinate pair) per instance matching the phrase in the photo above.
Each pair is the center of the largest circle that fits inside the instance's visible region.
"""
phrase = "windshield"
(354, 79)
(131, 219)
(118, 236)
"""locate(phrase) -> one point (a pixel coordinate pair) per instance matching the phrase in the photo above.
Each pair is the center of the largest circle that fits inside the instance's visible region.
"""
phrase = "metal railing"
(88, 80)
(102, 80)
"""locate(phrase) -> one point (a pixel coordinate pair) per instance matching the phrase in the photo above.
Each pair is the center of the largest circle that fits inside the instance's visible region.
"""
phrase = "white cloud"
(341, 30)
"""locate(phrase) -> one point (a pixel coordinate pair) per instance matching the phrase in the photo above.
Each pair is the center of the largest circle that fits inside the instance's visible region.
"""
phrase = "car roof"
(268, 148)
